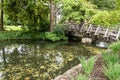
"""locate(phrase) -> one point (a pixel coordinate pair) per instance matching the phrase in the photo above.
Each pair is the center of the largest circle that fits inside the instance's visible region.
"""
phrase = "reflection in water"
(41, 61)
(102, 44)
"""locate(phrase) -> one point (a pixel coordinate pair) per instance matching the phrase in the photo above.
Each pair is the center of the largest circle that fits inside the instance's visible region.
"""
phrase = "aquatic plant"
(87, 64)
(115, 47)
(112, 71)
(110, 58)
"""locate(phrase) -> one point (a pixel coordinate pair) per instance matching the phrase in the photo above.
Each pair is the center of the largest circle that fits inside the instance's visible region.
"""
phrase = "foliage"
(117, 4)
(28, 13)
(104, 4)
(115, 47)
(113, 62)
(82, 77)
(106, 18)
(87, 65)
(54, 37)
(8, 35)
(76, 10)
(112, 71)
(60, 29)
(110, 58)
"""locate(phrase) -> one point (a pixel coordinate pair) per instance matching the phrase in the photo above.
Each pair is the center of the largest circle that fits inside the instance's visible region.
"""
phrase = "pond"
(38, 60)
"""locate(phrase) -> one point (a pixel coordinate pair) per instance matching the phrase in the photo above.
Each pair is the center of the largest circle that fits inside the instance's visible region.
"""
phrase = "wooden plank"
(81, 29)
(118, 35)
(106, 33)
(96, 32)
(89, 28)
(112, 34)
(93, 29)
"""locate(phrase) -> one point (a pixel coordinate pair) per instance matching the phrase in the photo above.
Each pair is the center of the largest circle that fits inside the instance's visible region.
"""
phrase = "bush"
(54, 37)
(115, 47)
(112, 71)
(87, 65)
(110, 58)
(60, 29)
(106, 18)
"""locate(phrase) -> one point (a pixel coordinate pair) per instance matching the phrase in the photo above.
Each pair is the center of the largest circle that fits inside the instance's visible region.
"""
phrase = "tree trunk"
(51, 15)
(55, 15)
(1, 28)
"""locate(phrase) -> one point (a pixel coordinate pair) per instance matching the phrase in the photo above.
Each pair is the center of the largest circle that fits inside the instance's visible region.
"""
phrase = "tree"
(76, 11)
(54, 10)
(104, 4)
(51, 15)
(30, 13)
(1, 28)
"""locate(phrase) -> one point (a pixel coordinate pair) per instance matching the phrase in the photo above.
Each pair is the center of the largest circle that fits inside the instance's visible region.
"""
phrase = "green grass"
(12, 28)
(112, 71)
(115, 47)
(110, 58)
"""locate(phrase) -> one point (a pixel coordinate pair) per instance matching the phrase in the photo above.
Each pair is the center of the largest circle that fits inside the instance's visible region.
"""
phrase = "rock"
(86, 40)
(102, 44)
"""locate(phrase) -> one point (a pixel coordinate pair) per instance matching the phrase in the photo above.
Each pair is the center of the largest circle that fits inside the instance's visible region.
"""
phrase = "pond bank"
(106, 67)
(97, 74)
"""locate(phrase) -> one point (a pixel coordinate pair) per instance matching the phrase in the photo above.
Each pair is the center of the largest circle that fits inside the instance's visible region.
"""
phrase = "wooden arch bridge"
(94, 32)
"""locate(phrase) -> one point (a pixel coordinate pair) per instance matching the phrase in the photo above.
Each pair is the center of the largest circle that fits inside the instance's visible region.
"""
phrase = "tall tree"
(76, 10)
(51, 15)
(31, 13)
(1, 28)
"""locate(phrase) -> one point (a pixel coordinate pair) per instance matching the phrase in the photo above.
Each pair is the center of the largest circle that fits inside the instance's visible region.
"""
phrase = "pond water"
(38, 60)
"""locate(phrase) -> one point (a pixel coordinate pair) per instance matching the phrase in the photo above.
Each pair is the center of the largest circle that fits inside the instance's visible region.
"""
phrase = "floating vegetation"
(35, 61)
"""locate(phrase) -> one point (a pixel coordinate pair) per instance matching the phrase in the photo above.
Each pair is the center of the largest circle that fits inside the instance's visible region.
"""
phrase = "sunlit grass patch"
(11, 28)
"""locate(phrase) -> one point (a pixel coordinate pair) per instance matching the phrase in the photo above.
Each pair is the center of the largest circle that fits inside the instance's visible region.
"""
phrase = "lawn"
(12, 27)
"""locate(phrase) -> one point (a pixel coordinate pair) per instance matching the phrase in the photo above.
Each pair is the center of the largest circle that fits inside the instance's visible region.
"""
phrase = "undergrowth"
(10, 35)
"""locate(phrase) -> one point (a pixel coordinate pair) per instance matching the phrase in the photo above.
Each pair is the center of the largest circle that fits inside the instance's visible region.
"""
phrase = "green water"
(38, 60)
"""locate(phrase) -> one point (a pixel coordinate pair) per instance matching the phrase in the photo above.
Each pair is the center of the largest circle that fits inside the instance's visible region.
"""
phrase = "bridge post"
(96, 32)
(89, 28)
(81, 29)
(117, 36)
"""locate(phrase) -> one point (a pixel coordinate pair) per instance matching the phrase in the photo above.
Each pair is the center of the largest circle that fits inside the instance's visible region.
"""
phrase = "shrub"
(112, 71)
(115, 47)
(53, 36)
(60, 29)
(87, 65)
(110, 58)
(106, 18)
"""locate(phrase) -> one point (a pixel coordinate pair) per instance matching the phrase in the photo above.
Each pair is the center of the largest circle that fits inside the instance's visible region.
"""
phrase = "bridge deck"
(77, 30)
